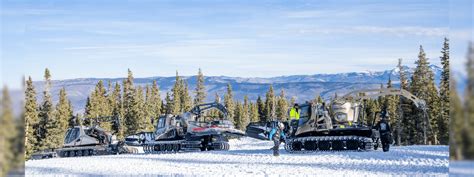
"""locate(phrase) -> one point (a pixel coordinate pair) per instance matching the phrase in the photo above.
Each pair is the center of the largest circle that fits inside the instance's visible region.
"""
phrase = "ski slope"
(252, 157)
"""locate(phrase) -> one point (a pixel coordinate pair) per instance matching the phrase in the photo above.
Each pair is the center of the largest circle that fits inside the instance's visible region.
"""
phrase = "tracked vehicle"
(189, 132)
(337, 126)
(88, 141)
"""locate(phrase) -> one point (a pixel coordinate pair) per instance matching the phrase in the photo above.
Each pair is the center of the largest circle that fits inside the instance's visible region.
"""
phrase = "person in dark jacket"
(277, 135)
(385, 132)
(383, 125)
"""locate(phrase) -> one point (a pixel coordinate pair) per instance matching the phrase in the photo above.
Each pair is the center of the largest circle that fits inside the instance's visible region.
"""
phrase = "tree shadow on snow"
(56, 171)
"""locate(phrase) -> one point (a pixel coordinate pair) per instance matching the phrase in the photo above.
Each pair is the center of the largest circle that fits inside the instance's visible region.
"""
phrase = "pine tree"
(238, 115)
(46, 114)
(177, 90)
(419, 90)
(282, 107)
(72, 121)
(254, 116)
(3, 152)
(101, 101)
(292, 101)
(261, 109)
(391, 105)
(381, 99)
(200, 89)
(443, 121)
(423, 87)
(31, 119)
(163, 106)
(64, 111)
(372, 107)
(468, 122)
(456, 124)
(245, 118)
(56, 124)
(138, 108)
(169, 104)
(54, 134)
(55, 127)
(229, 103)
(153, 104)
(8, 131)
(155, 100)
(115, 101)
(406, 125)
(318, 99)
(87, 111)
(78, 120)
(434, 114)
(186, 100)
(404, 111)
(148, 112)
(18, 142)
(270, 104)
(63, 114)
(99, 105)
(131, 119)
(219, 115)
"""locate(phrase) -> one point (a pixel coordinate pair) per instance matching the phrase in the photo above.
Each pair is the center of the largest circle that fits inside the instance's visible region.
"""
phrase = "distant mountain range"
(302, 87)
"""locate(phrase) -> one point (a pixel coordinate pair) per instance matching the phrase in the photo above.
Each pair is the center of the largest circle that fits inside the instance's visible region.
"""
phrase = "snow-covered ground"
(250, 157)
(461, 168)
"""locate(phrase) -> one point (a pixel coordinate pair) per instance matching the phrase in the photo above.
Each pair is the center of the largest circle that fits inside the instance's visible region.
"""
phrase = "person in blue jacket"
(277, 135)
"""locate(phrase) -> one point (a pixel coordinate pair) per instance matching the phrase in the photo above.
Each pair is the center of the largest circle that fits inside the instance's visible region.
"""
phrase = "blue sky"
(78, 39)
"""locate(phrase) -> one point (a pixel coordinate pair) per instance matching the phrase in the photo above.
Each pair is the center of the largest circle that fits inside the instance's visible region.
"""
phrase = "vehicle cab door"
(161, 126)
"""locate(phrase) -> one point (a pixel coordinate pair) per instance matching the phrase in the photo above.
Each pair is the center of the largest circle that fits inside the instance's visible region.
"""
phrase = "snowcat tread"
(83, 151)
(328, 143)
(162, 147)
(220, 146)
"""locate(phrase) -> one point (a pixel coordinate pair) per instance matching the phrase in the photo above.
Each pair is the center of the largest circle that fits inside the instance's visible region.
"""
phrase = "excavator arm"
(199, 109)
(359, 95)
(371, 93)
(115, 120)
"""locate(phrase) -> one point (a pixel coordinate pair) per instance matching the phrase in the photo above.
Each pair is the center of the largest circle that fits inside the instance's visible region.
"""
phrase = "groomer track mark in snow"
(254, 157)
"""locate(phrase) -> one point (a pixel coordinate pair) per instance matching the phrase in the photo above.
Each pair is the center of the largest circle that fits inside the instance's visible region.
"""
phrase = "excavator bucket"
(258, 130)
(261, 130)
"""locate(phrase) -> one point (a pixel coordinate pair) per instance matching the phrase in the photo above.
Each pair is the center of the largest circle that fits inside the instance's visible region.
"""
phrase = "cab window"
(161, 122)
(305, 112)
(72, 134)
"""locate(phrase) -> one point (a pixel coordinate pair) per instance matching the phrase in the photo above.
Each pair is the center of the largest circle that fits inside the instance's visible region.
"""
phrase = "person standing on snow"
(294, 118)
(385, 132)
(277, 135)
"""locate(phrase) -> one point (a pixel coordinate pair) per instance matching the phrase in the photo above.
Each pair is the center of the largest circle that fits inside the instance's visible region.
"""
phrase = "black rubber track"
(329, 143)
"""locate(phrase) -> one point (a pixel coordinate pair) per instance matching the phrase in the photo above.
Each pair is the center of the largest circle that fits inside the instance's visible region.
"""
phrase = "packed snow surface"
(461, 168)
(251, 157)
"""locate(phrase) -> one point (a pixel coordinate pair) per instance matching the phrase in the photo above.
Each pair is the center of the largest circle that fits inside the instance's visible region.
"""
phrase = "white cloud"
(318, 14)
(462, 34)
(404, 30)
(397, 31)
(110, 47)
